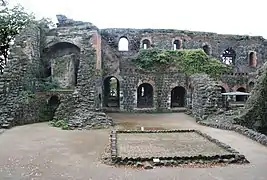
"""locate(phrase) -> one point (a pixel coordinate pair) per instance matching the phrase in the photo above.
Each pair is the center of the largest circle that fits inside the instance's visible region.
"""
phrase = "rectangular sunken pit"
(176, 146)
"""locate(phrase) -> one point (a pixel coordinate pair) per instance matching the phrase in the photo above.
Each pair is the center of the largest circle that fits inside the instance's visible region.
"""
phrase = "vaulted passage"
(145, 96)
(111, 92)
(62, 63)
(178, 95)
(241, 98)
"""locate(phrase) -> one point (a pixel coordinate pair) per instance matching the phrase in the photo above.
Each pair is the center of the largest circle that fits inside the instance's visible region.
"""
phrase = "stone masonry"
(82, 59)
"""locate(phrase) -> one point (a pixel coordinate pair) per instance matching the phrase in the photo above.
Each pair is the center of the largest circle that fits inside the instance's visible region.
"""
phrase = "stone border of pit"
(233, 158)
(256, 136)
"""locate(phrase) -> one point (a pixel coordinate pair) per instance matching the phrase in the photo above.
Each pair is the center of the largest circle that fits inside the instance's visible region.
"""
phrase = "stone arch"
(177, 44)
(51, 107)
(146, 43)
(252, 59)
(145, 95)
(111, 92)
(62, 61)
(123, 44)
(228, 56)
(178, 97)
(241, 97)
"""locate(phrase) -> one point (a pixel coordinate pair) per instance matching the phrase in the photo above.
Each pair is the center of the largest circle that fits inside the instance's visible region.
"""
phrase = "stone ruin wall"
(19, 76)
(206, 96)
(95, 55)
(118, 63)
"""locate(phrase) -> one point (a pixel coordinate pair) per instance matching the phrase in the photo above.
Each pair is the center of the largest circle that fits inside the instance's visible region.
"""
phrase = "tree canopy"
(12, 21)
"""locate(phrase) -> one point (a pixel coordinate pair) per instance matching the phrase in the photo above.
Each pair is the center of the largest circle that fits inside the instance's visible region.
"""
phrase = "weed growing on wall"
(188, 61)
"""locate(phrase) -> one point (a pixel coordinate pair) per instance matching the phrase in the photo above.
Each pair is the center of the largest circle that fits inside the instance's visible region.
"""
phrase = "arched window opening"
(178, 97)
(177, 44)
(123, 44)
(241, 98)
(111, 92)
(228, 56)
(146, 44)
(206, 48)
(145, 96)
(251, 86)
(252, 59)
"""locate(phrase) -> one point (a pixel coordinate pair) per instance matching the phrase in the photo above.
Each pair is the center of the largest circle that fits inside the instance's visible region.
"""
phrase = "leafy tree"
(12, 21)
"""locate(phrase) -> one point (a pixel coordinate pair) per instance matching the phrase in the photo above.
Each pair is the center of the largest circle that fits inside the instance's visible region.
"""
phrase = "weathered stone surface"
(205, 98)
(80, 57)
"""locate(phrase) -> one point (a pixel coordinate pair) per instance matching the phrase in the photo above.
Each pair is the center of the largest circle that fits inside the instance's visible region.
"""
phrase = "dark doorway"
(145, 96)
(48, 110)
(241, 98)
(206, 49)
(178, 97)
(111, 92)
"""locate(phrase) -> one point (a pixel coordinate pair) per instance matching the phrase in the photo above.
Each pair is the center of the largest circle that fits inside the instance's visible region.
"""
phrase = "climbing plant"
(188, 61)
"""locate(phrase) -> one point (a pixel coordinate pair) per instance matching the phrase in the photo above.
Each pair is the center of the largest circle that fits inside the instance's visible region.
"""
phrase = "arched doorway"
(50, 108)
(178, 95)
(241, 98)
(111, 92)
(145, 96)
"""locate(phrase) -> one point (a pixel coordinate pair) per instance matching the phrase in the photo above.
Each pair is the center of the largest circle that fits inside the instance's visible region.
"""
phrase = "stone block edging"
(232, 157)
(256, 136)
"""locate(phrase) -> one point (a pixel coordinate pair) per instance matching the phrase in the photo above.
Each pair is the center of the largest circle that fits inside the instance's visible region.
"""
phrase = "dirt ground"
(41, 152)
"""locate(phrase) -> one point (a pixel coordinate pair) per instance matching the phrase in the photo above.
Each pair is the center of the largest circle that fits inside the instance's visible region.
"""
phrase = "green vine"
(188, 61)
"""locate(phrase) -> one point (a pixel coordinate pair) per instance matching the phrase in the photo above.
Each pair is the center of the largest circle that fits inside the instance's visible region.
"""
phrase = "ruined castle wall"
(161, 38)
(206, 95)
(162, 84)
(19, 76)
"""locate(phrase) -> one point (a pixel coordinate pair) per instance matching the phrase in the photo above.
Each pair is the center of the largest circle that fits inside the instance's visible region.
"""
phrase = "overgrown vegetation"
(12, 21)
(188, 61)
(63, 124)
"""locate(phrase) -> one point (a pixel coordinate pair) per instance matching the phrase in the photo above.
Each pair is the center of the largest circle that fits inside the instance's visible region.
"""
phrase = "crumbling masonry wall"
(19, 77)
(206, 95)
(80, 57)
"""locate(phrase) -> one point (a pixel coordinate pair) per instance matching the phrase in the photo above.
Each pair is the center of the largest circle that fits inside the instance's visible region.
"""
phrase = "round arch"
(111, 89)
(178, 97)
(145, 95)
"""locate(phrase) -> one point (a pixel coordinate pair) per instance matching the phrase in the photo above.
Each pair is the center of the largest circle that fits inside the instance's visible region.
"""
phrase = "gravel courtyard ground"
(166, 144)
(40, 152)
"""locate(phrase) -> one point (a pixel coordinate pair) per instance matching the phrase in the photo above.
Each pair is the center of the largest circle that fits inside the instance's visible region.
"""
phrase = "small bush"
(63, 124)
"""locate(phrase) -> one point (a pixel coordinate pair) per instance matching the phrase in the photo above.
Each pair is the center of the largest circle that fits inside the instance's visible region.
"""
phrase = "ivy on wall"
(188, 61)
